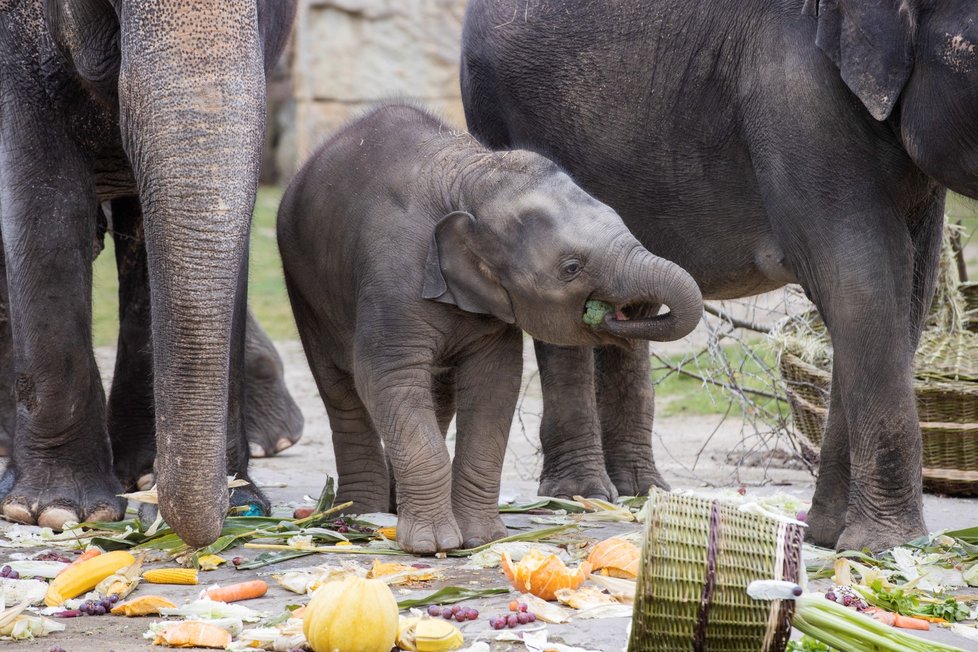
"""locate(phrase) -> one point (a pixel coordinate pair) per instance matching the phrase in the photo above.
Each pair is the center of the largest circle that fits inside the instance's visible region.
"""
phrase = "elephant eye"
(570, 268)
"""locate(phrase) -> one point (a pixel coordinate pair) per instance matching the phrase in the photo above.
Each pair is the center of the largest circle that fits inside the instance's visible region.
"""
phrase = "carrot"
(88, 554)
(909, 622)
(885, 617)
(240, 591)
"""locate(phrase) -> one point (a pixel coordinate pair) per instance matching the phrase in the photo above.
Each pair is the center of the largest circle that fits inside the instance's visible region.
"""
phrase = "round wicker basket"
(698, 557)
(945, 382)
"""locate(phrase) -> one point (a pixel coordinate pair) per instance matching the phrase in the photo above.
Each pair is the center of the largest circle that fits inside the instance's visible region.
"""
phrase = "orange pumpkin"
(542, 574)
(616, 557)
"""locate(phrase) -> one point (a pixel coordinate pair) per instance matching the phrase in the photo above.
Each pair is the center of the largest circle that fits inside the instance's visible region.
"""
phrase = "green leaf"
(968, 535)
(570, 506)
(327, 497)
(448, 595)
(532, 536)
(268, 558)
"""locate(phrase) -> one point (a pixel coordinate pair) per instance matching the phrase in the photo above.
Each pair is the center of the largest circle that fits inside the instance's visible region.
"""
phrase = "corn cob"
(171, 576)
(85, 576)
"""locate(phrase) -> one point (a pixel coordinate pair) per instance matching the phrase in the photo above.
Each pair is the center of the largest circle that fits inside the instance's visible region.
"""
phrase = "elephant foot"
(50, 498)
(825, 525)
(636, 480)
(366, 500)
(426, 534)
(479, 530)
(264, 442)
(134, 467)
(590, 483)
(878, 536)
(250, 497)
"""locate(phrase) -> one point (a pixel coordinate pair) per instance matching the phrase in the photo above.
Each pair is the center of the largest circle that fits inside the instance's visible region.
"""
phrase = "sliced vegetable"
(616, 557)
(595, 310)
(542, 574)
(144, 605)
(193, 633)
(427, 634)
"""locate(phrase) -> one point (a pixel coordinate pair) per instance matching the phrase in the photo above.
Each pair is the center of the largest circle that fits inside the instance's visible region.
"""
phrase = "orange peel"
(543, 574)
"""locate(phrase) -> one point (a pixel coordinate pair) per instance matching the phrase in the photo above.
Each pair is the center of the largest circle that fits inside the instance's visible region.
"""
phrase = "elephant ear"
(455, 273)
(871, 41)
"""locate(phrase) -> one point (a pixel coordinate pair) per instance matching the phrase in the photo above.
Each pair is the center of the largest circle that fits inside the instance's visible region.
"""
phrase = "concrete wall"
(347, 54)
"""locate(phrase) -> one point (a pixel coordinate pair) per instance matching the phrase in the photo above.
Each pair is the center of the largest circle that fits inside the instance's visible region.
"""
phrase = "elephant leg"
(8, 406)
(401, 407)
(131, 417)
(274, 420)
(360, 459)
(570, 431)
(248, 496)
(488, 389)
(625, 396)
(61, 466)
(870, 323)
(443, 392)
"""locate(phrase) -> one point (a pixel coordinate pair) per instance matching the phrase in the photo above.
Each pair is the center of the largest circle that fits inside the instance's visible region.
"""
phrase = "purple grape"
(98, 611)
(522, 617)
(434, 610)
(5, 571)
(113, 598)
(531, 617)
(447, 614)
(512, 620)
(14, 575)
(456, 609)
(460, 616)
(846, 600)
(801, 516)
(524, 607)
(472, 614)
(497, 623)
(829, 595)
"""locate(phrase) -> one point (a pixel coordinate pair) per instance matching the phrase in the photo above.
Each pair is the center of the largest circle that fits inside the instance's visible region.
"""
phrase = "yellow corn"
(171, 576)
(85, 575)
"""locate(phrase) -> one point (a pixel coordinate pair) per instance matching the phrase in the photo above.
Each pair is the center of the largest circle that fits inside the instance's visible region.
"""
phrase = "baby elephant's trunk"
(646, 279)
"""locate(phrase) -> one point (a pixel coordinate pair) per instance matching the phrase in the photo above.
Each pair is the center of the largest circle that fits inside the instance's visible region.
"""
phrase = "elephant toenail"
(104, 513)
(56, 517)
(282, 444)
(145, 481)
(255, 449)
(18, 512)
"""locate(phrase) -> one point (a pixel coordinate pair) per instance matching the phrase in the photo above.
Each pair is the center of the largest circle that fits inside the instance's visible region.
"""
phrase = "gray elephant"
(164, 101)
(273, 420)
(412, 258)
(756, 144)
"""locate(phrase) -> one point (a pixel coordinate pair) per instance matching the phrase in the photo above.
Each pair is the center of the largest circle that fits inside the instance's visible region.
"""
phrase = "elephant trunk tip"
(196, 515)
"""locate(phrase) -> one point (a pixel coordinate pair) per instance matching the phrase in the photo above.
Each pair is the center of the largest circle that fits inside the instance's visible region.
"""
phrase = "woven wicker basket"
(946, 385)
(698, 557)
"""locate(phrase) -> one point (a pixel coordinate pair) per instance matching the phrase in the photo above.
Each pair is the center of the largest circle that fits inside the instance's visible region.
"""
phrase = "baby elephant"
(412, 257)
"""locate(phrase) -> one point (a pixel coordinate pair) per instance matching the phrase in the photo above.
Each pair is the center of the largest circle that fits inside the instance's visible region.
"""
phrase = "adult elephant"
(273, 420)
(165, 101)
(756, 143)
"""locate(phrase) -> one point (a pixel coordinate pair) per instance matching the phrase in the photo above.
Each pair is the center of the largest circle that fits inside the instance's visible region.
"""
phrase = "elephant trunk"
(648, 280)
(191, 99)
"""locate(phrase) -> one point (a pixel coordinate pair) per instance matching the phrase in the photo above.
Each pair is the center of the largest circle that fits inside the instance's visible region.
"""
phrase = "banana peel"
(426, 634)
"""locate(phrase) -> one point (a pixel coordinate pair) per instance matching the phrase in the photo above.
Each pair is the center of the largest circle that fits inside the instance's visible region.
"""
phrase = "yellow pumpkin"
(351, 615)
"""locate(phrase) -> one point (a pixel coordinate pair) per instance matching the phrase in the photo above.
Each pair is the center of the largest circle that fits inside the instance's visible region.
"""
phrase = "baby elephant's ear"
(455, 273)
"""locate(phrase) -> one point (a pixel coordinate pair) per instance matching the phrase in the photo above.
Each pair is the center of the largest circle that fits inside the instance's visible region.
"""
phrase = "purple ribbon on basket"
(709, 585)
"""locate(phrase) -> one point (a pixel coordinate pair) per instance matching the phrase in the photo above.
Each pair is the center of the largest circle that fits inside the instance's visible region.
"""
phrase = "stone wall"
(347, 54)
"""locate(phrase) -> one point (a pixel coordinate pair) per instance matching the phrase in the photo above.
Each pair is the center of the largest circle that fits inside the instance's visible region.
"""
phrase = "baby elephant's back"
(353, 204)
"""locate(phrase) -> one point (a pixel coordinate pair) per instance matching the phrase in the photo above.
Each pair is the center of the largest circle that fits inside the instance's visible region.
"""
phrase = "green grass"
(266, 287)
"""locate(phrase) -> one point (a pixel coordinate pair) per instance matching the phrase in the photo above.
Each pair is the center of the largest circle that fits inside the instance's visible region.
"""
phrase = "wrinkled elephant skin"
(410, 280)
(754, 143)
(105, 100)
